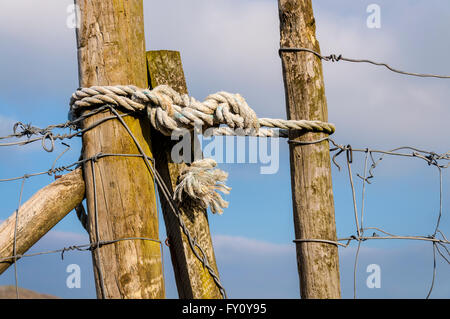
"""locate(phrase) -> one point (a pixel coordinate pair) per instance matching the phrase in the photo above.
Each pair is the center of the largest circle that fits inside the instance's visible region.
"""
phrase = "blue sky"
(232, 45)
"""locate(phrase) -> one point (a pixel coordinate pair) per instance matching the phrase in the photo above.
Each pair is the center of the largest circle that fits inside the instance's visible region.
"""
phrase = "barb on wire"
(337, 58)
(46, 134)
(83, 247)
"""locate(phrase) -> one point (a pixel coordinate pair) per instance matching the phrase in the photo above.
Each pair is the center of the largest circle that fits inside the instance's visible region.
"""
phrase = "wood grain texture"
(40, 214)
(193, 280)
(312, 194)
(111, 51)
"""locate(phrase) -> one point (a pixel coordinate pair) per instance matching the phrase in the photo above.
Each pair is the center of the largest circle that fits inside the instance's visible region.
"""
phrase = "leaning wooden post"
(39, 214)
(193, 280)
(318, 263)
(111, 51)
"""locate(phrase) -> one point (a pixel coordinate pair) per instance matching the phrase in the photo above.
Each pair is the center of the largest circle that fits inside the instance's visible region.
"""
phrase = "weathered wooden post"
(192, 278)
(312, 194)
(111, 51)
(39, 214)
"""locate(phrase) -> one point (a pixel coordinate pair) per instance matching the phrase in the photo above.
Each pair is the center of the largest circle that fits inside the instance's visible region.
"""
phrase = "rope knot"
(159, 105)
(233, 110)
(169, 111)
(161, 97)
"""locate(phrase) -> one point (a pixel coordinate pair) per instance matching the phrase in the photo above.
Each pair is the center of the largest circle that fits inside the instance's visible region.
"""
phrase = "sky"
(233, 46)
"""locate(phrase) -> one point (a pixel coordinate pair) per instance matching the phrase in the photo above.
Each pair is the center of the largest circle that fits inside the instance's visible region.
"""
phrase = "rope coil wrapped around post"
(169, 111)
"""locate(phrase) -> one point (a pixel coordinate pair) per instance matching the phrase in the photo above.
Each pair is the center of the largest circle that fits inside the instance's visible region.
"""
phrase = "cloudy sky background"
(232, 45)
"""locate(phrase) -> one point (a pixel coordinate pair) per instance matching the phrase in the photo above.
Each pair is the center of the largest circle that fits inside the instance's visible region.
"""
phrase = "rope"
(170, 111)
(199, 182)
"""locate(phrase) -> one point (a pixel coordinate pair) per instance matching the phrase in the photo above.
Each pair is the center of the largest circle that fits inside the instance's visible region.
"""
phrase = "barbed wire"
(440, 161)
(82, 247)
(337, 58)
(46, 133)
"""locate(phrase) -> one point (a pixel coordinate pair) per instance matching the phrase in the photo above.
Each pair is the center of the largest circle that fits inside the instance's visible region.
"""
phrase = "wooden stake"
(193, 280)
(111, 51)
(312, 195)
(39, 214)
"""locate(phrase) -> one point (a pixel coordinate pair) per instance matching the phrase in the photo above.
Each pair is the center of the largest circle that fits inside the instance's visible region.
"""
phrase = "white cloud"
(406, 270)
(225, 45)
(232, 45)
(229, 245)
(383, 107)
(64, 237)
(38, 56)
(251, 268)
(46, 18)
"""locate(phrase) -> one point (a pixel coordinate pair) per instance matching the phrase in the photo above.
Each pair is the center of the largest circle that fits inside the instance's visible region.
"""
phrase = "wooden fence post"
(193, 280)
(39, 214)
(111, 51)
(312, 194)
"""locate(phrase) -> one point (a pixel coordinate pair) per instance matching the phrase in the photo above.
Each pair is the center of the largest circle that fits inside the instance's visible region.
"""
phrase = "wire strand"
(337, 58)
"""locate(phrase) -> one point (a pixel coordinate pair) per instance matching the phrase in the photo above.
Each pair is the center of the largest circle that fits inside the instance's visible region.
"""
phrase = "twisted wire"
(337, 58)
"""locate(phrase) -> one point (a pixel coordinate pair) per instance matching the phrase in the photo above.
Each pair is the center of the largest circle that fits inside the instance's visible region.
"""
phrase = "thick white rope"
(169, 111)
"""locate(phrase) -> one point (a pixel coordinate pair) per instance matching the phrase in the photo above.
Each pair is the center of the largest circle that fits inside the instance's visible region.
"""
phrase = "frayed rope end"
(198, 185)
